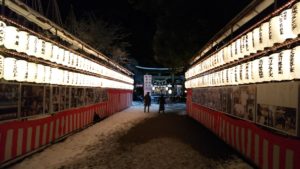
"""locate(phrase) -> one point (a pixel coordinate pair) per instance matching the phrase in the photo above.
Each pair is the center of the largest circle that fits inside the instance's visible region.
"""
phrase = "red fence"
(265, 148)
(18, 138)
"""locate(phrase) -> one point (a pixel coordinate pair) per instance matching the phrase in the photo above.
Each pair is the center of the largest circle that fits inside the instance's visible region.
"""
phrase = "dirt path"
(133, 139)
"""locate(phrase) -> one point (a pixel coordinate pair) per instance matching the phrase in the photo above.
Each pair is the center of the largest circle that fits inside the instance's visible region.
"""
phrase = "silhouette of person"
(147, 101)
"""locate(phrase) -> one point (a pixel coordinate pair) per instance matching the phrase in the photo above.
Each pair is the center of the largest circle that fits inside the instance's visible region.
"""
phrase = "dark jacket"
(147, 100)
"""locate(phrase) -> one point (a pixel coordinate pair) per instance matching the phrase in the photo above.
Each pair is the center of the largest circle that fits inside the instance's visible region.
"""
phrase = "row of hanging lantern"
(12, 69)
(281, 66)
(278, 29)
(23, 42)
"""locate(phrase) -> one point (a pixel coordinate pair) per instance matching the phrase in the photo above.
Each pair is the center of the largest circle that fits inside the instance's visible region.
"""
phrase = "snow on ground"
(134, 139)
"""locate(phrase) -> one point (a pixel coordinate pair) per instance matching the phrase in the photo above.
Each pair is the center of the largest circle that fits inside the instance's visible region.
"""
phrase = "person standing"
(147, 101)
(161, 104)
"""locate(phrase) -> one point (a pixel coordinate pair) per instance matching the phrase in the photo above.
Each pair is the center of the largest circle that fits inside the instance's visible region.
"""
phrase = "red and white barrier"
(264, 148)
(18, 138)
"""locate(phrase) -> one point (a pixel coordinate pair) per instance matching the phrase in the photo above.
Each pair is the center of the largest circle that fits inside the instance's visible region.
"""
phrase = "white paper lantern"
(66, 77)
(275, 27)
(11, 37)
(9, 68)
(70, 81)
(265, 67)
(257, 39)
(48, 51)
(32, 45)
(71, 60)
(237, 50)
(61, 53)
(54, 78)
(23, 41)
(266, 35)
(21, 70)
(256, 71)
(285, 20)
(40, 76)
(286, 60)
(66, 58)
(47, 76)
(274, 69)
(243, 73)
(40, 48)
(295, 63)
(1, 66)
(250, 43)
(296, 19)
(31, 72)
(2, 32)
(55, 54)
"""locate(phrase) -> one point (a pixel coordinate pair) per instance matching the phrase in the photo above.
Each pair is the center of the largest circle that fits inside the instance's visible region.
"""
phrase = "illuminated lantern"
(286, 60)
(274, 70)
(71, 60)
(61, 53)
(275, 27)
(40, 48)
(250, 44)
(243, 73)
(40, 76)
(237, 49)
(230, 53)
(243, 46)
(48, 51)
(66, 77)
(1, 66)
(11, 37)
(23, 41)
(285, 20)
(60, 78)
(70, 81)
(2, 32)
(21, 70)
(54, 76)
(266, 35)
(47, 76)
(75, 61)
(296, 19)
(247, 71)
(75, 77)
(31, 72)
(66, 58)
(9, 69)
(295, 63)
(265, 67)
(55, 55)
(256, 71)
(32, 45)
(257, 39)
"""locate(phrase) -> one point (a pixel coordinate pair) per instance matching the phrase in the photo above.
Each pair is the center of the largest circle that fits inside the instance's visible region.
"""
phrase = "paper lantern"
(265, 66)
(273, 71)
(257, 39)
(66, 58)
(266, 35)
(23, 41)
(257, 72)
(66, 77)
(31, 72)
(295, 63)
(21, 70)
(40, 48)
(48, 51)
(75, 61)
(2, 30)
(55, 54)
(275, 31)
(70, 81)
(250, 43)
(61, 53)
(285, 20)
(286, 60)
(296, 19)
(247, 75)
(54, 76)
(1, 66)
(243, 79)
(71, 60)
(11, 37)
(47, 76)
(32, 45)
(40, 76)
(9, 68)
(237, 50)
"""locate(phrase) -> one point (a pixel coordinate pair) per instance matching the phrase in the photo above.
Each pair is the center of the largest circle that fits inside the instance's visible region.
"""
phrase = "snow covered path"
(133, 139)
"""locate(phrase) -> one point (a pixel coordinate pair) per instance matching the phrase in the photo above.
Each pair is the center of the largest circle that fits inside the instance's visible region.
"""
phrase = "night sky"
(162, 33)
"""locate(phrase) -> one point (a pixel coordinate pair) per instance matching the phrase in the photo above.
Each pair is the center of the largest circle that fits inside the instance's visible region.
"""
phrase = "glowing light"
(21, 70)
(32, 72)
(23, 41)
(10, 37)
(9, 68)
(2, 30)
(40, 77)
